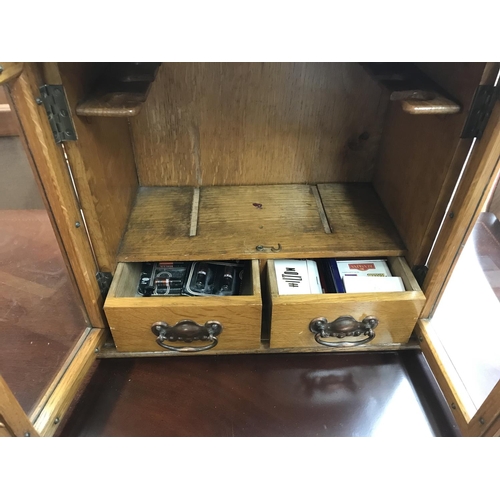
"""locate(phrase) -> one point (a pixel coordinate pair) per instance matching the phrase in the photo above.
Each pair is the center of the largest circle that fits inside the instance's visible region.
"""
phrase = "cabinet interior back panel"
(258, 123)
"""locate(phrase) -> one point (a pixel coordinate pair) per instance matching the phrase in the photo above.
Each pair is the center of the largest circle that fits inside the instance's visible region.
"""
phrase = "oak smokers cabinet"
(255, 162)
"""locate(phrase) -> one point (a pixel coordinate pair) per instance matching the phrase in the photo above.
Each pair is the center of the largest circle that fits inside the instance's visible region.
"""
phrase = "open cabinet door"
(458, 326)
(51, 306)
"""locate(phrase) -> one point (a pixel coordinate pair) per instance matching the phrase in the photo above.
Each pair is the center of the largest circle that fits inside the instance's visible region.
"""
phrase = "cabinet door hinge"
(480, 111)
(104, 282)
(53, 97)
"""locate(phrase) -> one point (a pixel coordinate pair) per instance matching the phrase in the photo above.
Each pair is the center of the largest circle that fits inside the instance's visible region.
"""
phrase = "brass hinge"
(53, 97)
(480, 111)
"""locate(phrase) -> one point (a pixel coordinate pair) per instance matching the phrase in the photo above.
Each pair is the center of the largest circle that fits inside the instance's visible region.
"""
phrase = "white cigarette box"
(372, 268)
(296, 277)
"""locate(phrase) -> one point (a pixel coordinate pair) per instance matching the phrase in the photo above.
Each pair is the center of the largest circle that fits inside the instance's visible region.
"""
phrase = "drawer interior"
(126, 281)
(397, 265)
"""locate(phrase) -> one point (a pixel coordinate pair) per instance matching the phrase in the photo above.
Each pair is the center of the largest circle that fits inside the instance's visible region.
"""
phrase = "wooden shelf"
(418, 94)
(120, 91)
(232, 222)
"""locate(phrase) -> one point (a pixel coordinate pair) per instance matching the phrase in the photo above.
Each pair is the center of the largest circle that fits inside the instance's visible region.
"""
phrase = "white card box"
(370, 267)
(368, 284)
(297, 277)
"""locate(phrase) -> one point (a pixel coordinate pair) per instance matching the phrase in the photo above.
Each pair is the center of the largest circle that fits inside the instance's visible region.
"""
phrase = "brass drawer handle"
(187, 331)
(343, 326)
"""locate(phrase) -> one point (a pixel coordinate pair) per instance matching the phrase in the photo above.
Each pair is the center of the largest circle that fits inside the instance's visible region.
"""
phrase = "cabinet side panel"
(421, 158)
(103, 165)
(258, 123)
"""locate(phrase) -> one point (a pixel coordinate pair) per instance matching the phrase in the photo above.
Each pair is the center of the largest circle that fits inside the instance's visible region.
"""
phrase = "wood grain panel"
(397, 313)
(131, 318)
(103, 166)
(234, 220)
(355, 212)
(110, 351)
(421, 158)
(159, 219)
(258, 123)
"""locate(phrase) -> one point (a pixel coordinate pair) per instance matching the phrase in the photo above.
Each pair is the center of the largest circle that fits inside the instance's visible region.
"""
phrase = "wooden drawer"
(131, 317)
(396, 312)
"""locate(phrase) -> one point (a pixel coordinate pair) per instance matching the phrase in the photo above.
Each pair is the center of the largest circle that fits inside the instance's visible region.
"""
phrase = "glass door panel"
(41, 313)
(465, 321)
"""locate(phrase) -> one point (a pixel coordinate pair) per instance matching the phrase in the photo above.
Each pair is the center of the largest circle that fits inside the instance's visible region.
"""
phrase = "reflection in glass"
(466, 318)
(41, 316)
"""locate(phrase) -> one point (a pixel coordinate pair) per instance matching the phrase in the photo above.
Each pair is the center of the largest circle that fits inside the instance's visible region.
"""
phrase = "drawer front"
(131, 327)
(291, 320)
(193, 324)
(394, 315)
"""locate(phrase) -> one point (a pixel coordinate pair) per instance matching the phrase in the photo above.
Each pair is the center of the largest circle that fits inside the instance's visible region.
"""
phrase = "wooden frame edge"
(57, 404)
(42, 401)
(13, 421)
(10, 70)
(433, 355)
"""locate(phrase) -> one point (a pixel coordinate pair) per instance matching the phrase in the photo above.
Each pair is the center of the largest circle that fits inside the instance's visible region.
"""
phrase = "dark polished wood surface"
(367, 394)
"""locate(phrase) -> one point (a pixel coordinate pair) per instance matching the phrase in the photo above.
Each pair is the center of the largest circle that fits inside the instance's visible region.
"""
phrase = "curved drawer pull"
(187, 331)
(343, 326)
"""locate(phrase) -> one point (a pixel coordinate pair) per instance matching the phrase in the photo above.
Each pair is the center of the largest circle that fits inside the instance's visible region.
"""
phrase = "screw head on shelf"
(39, 101)
(481, 421)
(56, 420)
(77, 224)
(1, 69)
(27, 434)
(454, 406)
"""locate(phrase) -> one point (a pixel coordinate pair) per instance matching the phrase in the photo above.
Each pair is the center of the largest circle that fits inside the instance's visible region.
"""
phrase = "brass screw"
(96, 349)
